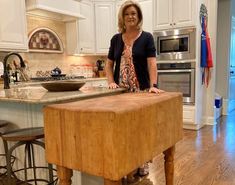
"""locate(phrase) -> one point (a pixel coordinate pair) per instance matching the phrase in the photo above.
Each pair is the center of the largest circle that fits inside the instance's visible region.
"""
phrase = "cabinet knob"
(174, 23)
(170, 24)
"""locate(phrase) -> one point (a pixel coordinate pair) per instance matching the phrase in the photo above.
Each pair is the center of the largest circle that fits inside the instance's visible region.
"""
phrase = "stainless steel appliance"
(177, 44)
(178, 77)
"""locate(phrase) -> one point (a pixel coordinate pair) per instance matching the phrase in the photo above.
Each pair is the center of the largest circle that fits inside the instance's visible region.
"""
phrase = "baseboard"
(210, 121)
(192, 126)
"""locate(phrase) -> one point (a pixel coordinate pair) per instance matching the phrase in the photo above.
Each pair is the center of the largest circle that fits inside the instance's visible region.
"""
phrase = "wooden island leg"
(109, 182)
(169, 165)
(64, 175)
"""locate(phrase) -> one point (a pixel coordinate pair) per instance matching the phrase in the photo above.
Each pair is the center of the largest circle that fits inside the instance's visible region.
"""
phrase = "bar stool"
(4, 123)
(27, 137)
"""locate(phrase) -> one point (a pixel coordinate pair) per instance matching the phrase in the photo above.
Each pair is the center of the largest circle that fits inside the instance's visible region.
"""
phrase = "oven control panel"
(188, 65)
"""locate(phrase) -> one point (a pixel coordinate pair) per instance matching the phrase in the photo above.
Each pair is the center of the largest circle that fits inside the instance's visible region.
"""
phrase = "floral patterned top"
(127, 76)
(141, 49)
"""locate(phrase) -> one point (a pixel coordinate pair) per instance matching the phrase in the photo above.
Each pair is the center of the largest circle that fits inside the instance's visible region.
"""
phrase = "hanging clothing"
(203, 44)
(206, 55)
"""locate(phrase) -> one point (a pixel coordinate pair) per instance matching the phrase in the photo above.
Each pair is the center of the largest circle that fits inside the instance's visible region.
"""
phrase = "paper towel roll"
(1, 68)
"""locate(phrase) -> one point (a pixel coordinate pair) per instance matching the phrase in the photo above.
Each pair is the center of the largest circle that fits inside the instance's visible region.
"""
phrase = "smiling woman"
(133, 52)
(134, 55)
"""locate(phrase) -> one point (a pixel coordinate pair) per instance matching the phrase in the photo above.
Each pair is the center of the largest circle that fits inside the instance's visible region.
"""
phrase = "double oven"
(176, 61)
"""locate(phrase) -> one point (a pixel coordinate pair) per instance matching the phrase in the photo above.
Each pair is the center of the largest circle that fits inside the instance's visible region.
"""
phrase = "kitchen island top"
(123, 131)
(38, 95)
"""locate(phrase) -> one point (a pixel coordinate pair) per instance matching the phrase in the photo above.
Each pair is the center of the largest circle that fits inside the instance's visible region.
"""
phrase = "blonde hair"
(125, 5)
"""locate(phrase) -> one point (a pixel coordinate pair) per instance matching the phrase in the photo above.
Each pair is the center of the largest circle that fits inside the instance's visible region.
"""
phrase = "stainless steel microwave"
(177, 44)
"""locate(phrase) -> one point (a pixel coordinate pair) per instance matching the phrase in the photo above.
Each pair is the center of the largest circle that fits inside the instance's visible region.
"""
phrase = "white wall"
(223, 40)
(223, 50)
(212, 30)
(205, 95)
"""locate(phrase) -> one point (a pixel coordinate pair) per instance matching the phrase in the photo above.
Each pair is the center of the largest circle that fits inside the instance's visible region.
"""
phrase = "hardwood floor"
(204, 157)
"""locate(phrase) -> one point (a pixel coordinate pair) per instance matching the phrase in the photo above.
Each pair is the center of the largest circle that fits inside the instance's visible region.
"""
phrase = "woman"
(134, 55)
(133, 52)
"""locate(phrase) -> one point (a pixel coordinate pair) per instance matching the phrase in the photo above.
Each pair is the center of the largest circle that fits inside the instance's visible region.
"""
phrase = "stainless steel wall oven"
(178, 77)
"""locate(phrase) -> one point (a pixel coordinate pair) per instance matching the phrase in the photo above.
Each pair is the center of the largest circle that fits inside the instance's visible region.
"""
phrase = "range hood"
(64, 10)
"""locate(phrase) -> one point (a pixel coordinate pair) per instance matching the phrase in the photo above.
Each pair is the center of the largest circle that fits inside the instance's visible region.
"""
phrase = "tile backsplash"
(48, 61)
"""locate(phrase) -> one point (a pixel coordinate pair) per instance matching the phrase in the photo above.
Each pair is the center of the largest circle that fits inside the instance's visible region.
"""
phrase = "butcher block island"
(112, 136)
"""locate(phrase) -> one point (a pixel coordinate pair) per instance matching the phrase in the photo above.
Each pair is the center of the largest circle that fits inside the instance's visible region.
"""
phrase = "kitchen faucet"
(6, 71)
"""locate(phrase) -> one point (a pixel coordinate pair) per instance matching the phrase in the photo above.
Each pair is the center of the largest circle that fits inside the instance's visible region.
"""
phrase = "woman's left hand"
(155, 90)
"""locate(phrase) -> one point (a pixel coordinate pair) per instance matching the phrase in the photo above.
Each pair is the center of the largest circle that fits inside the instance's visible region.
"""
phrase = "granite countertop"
(36, 82)
(37, 94)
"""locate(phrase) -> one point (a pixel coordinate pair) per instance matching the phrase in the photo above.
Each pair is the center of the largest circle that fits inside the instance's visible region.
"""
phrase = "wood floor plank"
(204, 157)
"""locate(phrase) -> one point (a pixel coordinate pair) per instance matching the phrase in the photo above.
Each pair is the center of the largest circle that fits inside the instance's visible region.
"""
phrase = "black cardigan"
(143, 48)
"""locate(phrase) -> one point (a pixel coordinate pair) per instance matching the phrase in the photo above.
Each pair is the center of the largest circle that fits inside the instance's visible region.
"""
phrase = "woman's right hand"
(113, 85)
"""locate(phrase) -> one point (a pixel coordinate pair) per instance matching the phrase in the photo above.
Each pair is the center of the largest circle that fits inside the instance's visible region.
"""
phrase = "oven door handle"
(175, 70)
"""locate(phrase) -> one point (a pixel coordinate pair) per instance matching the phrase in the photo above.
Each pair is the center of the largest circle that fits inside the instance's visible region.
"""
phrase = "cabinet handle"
(170, 24)
(174, 23)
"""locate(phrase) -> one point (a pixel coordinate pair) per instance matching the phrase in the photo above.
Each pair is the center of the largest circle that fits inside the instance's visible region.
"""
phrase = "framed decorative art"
(45, 40)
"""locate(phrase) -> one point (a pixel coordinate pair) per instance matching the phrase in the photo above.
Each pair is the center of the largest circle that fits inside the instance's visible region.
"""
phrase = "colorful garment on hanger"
(206, 54)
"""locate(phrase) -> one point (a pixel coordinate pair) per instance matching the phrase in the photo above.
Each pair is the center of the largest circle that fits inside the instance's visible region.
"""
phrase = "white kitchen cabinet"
(91, 35)
(87, 27)
(147, 10)
(72, 38)
(105, 25)
(174, 14)
(81, 33)
(118, 6)
(13, 34)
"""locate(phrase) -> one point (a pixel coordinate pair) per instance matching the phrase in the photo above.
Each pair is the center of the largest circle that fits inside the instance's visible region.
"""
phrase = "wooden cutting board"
(113, 135)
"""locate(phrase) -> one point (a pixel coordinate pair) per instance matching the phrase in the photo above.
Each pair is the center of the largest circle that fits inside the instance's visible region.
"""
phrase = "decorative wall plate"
(45, 40)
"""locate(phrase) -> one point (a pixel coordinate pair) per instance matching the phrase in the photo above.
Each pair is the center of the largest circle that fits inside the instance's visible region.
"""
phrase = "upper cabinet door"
(91, 35)
(162, 14)
(118, 6)
(80, 34)
(170, 14)
(105, 25)
(147, 10)
(183, 11)
(87, 28)
(13, 35)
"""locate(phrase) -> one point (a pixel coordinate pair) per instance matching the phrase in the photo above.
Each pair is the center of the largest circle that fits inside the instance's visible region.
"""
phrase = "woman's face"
(131, 17)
